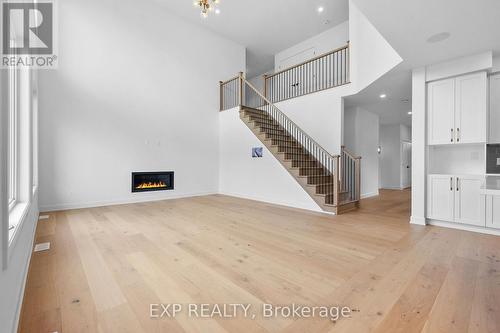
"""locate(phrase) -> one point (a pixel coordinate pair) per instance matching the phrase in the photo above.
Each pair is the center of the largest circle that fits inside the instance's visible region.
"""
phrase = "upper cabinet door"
(441, 112)
(468, 203)
(471, 108)
(440, 197)
(495, 109)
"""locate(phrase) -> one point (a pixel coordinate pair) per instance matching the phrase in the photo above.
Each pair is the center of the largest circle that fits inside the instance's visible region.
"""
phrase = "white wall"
(324, 42)
(405, 133)
(133, 92)
(468, 64)
(263, 179)
(15, 248)
(319, 115)
(496, 64)
(418, 151)
(361, 137)
(371, 55)
(391, 137)
(390, 156)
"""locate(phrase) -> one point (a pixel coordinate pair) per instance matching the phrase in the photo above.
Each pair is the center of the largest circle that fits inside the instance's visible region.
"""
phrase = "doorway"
(405, 164)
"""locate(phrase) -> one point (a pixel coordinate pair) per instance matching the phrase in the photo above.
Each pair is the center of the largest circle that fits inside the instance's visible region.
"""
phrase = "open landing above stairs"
(314, 178)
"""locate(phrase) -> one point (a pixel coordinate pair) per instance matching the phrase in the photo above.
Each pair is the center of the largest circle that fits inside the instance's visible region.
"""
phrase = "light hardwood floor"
(107, 265)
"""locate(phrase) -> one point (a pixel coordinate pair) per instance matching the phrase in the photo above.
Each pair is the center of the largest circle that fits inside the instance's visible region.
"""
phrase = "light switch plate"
(498, 161)
(42, 247)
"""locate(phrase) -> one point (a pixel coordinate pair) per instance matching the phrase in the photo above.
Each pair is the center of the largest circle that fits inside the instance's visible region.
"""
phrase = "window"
(13, 130)
(19, 148)
(34, 126)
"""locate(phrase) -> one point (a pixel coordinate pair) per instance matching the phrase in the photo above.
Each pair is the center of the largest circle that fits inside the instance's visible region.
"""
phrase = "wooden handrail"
(350, 174)
(351, 155)
(308, 61)
(326, 71)
(229, 97)
(344, 168)
(288, 119)
(227, 81)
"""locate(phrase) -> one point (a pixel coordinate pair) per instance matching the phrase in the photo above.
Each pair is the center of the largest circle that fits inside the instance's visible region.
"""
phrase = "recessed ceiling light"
(321, 9)
(217, 11)
(438, 37)
(410, 113)
(383, 96)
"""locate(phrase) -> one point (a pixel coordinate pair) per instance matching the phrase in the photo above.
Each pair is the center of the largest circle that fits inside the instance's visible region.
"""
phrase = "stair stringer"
(310, 189)
(261, 179)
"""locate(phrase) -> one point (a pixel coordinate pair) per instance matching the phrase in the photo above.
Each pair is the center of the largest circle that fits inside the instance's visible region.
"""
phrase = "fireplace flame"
(151, 185)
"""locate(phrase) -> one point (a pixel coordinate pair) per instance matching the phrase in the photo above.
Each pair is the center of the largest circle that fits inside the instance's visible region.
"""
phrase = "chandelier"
(206, 6)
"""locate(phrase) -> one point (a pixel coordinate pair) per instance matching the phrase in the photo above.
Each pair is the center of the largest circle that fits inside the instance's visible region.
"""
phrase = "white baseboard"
(418, 220)
(138, 199)
(369, 195)
(465, 227)
(289, 205)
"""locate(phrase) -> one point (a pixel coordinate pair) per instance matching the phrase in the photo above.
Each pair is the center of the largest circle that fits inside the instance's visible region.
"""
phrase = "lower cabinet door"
(493, 211)
(468, 203)
(440, 197)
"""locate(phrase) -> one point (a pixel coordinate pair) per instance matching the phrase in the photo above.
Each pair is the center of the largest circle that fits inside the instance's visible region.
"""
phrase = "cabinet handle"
(458, 182)
(451, 183)
(452, 135)
(458, 134)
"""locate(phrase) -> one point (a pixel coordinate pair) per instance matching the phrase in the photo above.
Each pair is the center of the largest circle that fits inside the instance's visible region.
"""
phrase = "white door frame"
(402, 168)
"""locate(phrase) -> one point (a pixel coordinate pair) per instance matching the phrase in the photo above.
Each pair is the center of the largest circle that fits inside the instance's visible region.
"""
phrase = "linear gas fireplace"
(152, 181)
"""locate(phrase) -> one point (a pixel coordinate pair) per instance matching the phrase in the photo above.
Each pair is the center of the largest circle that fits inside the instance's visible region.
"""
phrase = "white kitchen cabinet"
(441, 111)
(471, 104)
(440, 198)
(457, 110)
(456, 198)
(495, 109)
(468, 203)
(493, 211)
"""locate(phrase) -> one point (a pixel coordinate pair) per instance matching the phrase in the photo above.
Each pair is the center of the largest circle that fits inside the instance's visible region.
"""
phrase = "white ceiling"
(473, 26)
(265, 27)
(393, 109)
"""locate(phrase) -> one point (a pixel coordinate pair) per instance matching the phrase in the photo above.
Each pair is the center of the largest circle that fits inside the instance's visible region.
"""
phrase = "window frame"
(13, 140)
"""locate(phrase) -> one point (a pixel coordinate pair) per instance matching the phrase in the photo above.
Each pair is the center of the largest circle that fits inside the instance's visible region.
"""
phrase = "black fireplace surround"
(152, 181)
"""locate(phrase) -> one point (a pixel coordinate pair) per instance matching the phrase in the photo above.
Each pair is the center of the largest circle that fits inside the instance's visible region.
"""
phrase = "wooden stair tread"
(301, 164)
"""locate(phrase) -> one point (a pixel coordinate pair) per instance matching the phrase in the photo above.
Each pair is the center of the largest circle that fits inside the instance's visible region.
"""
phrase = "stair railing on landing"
(230, 94)
(326, 71)
(350, 174)
(306, 152)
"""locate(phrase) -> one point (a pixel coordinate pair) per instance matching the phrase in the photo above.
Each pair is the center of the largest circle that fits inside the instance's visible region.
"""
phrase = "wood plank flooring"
(107, 265)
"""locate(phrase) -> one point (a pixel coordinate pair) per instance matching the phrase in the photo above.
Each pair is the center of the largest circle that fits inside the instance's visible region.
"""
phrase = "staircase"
(331, 181)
